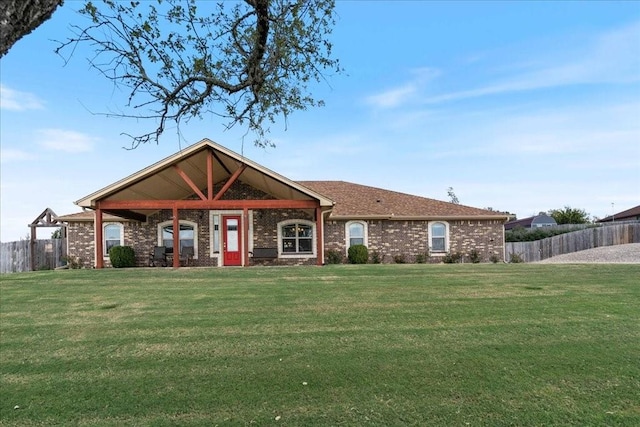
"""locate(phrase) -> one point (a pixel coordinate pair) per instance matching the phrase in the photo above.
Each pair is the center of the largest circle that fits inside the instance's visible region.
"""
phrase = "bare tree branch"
(247, 62)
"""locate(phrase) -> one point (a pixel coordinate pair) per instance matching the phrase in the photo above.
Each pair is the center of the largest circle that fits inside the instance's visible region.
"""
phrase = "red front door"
(231, 240)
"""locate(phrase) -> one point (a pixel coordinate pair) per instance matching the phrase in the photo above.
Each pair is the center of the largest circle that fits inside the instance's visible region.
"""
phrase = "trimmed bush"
(475, 257)
(452, 258)
(515, 258)
(333, 257)
(494, 258)
(400, 259)
(421, 258)
(358, 254)
(122, 256)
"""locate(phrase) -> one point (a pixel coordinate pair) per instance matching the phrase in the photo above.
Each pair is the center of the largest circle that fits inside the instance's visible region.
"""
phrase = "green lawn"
(386, 345)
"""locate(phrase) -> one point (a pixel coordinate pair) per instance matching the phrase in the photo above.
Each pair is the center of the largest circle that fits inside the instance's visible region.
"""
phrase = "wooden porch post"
(245, 237)
(98, 239)
(176, 238)
(320, 238)
(32, 248)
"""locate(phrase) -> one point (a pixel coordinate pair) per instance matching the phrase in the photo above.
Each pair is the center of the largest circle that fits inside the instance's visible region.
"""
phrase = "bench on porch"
(259, 254)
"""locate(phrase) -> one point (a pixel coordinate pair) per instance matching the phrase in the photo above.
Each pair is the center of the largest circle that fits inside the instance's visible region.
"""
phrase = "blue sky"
(519, 106)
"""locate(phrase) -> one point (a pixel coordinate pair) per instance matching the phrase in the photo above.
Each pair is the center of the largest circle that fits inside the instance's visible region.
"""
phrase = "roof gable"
(165, 180)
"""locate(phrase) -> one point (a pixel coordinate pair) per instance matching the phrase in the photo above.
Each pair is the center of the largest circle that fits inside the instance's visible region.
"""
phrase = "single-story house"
(537, 221)
(632, 214)
(229, 210)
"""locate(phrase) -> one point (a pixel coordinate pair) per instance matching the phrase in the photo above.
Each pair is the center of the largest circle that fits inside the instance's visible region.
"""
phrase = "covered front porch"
(234, 206)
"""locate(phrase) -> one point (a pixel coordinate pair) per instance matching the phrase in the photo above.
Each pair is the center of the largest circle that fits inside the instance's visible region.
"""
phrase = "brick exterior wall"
(408, 239)
(389, 238)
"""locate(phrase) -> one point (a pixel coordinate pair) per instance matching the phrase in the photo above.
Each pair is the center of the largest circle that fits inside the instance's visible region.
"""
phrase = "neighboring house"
(232, 211)
(538, 221)
(632, 214)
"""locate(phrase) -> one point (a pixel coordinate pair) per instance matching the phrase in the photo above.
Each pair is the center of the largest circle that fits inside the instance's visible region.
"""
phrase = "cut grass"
(338, 345)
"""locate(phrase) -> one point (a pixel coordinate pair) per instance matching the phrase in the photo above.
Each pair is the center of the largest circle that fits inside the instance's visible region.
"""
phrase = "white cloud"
(392, 98)
(610, 57)
(65, 140)
(402, 94)
(13, 155)
(15, 100)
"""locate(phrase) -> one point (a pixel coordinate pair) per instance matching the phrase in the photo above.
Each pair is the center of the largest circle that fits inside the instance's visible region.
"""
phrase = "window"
(356, 232)
(296, 237)
(187, 235)
(438, 232)
(113, 236)
(216, 233)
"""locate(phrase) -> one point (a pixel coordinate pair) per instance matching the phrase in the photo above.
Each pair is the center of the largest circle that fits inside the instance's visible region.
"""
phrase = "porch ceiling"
(162, 180)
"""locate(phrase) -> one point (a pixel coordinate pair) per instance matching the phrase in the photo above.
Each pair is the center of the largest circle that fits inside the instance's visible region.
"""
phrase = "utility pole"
(613, 213)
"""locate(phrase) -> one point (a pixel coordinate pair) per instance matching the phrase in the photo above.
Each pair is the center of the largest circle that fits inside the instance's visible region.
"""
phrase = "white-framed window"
(438, 237)
(113, 235)
(356, 233)
(297, 238)
(188, 235)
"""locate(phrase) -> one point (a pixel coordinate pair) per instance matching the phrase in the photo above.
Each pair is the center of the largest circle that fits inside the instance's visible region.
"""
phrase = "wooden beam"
(124, 213)
(176, 238)
(209, 175)
(320, 236)
(189, 182)
(208, 204)
(32, 248)
(230, 182)
(98, 240)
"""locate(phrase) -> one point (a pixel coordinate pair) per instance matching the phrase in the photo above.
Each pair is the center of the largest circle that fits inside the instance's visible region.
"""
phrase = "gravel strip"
(618, 254)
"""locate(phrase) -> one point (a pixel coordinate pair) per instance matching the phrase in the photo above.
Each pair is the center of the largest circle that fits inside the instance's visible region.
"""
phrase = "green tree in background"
(569, 215)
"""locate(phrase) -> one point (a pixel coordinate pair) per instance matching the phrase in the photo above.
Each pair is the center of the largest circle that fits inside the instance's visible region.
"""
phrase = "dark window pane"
(304, 231)
(289, 231)
(288, 245)
(304, 245)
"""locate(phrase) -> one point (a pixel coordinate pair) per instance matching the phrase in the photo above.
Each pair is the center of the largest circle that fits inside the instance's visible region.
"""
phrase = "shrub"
(376, 258)
(399, 259)
(515, 258)
(421, 258)
(334, 257)
(494, 258)
(475, 256)
(73, 262)
(452, 258)
(358, 254)
(122, 256)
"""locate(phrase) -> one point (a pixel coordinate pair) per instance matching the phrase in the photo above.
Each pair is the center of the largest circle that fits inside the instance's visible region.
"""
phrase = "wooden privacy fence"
(618, 234)
(15, 257)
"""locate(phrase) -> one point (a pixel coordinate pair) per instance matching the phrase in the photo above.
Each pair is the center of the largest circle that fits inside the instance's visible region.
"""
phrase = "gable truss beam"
(230, 182)
(189, 182)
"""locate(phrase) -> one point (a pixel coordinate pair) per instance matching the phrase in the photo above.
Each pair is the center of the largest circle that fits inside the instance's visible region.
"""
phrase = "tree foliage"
(20, 17)
(249, 62)
(569, 215)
